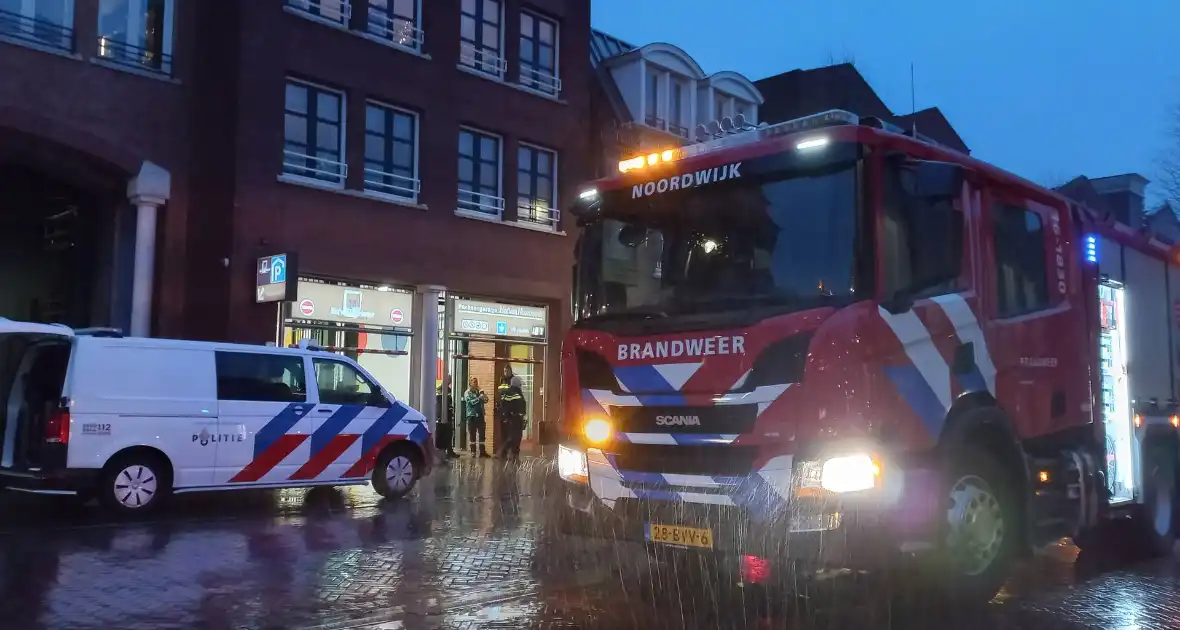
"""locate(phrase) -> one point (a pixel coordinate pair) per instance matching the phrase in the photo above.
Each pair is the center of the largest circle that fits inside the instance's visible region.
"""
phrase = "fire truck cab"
(829, 343)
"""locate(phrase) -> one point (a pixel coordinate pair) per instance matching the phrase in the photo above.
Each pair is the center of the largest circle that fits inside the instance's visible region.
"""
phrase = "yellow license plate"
(680, 535)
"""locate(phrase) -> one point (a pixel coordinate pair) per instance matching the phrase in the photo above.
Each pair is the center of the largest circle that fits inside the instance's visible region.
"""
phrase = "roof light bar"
(745, 135)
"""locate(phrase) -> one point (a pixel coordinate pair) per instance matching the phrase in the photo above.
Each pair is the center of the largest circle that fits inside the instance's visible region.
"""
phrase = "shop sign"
(356, 306)
(496, 319)
(270, 283)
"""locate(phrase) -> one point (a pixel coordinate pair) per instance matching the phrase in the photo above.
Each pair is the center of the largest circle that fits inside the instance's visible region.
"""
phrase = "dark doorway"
(52, 237)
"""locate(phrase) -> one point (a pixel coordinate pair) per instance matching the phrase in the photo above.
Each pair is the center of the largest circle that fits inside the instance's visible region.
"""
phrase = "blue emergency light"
(1091, 249)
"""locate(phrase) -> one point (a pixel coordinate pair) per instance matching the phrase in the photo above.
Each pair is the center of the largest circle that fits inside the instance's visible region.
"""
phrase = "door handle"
(323, 411)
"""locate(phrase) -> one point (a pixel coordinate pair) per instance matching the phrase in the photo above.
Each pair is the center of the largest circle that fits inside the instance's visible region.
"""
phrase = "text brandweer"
(688, 180)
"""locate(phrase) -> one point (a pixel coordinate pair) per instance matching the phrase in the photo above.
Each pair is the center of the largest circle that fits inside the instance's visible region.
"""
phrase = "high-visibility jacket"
(510, 401)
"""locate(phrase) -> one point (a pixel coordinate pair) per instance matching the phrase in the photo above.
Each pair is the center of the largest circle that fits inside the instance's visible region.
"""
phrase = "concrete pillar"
(427, 342)
(147, 191)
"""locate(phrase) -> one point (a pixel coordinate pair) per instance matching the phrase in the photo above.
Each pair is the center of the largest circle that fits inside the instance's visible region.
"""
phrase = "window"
(720, 106)
(313, 136)
(391, 152)
(921, 243)
(1021, 276)
(538, 53)
(136, 33)
(676, 109)
(744, 109)
(338, 11)
(260, 377)
(536, 188)
(479, 173)
(341, 384)
(651, 107)
(44, 22)
(397, 21)
(479, 37)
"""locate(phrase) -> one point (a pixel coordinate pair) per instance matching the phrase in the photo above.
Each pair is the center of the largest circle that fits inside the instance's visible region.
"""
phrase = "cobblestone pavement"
(473, 548)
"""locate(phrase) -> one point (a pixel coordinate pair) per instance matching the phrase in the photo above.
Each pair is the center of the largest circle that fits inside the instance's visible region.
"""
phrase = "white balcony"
(397, 30)
(539, 80)
(540, 214)
(333, 11)
(392, 185)
(314, 169)
(480, 206)
(482, 60)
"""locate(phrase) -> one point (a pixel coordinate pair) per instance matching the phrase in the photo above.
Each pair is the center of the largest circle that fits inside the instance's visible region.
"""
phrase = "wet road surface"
(473, 548)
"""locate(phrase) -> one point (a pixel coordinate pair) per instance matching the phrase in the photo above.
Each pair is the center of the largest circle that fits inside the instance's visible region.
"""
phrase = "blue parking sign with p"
(278, 268)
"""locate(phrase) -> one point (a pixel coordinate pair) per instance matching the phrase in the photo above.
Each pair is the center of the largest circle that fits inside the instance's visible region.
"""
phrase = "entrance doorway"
(54, 262)
(486, 360)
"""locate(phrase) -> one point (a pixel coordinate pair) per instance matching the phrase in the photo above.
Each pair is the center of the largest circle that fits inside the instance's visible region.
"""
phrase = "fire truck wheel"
(981, 528)
(1157, 520)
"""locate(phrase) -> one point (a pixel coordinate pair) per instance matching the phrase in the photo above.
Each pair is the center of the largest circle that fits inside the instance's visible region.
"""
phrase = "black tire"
(981, 533)
(1156, 519)
(397, 471)
(134, 484)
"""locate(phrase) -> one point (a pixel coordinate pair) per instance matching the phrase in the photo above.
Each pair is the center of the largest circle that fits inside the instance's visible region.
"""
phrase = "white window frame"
(135, 25)
(416, 182)
(343, 163)
(538, 78)
(479, 58)
(554, 208)
(384, 30)
(661, 76)
(497, 208)
(303, 8)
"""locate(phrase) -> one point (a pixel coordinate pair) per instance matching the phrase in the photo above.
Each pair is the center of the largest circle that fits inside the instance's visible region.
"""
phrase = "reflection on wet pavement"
(475, 547)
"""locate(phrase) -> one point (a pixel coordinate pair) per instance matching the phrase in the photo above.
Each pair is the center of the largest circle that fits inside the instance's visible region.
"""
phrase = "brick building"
(414, 157)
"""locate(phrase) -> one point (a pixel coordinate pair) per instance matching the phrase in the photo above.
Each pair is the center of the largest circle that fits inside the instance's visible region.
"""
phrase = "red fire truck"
(831, 343)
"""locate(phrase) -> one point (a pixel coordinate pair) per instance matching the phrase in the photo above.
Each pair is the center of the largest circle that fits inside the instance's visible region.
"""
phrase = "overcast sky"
(1048, 89)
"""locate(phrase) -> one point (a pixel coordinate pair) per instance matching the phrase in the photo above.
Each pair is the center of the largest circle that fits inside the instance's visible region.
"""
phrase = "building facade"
(413, 157)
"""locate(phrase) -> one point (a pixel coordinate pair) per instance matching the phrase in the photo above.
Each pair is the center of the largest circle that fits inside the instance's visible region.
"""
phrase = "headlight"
(597, 430)
(571, 465)
(850, 473)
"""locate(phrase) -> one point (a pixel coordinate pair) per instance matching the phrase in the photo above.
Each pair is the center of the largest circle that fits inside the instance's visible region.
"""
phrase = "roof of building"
(798, 93)
(603, 46)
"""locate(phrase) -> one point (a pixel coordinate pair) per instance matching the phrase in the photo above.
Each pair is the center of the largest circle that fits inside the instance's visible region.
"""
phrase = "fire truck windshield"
(781, 243)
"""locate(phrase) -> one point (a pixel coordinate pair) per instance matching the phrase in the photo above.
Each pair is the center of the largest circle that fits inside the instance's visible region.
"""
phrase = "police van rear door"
(34, 427)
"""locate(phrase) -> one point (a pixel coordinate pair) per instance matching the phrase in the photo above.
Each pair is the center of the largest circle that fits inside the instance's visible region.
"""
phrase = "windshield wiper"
(640, 313)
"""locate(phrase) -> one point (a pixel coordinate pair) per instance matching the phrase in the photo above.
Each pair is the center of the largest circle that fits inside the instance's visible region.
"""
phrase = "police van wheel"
(134, 484)
(397, 470)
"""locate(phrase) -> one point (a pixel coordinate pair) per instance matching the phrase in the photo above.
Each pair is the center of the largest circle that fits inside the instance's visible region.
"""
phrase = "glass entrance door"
(487, 361)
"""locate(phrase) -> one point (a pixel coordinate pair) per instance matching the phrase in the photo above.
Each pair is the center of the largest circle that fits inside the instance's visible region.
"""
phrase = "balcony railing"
(678, 130)
(481, 205)
(655, 121)
(539, 213)
(134, 56)
(313, 167)
(539, 80)
(338, 11)
(481, 59)
(398, 30)
(392, 184)
(33, 30)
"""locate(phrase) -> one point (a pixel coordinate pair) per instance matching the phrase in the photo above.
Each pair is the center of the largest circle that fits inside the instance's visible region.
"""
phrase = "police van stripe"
(333, 426)
(278, 426)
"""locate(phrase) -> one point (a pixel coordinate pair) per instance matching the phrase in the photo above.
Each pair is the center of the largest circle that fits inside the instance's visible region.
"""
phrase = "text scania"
(688, 180)
(678, 421)
(701, 347)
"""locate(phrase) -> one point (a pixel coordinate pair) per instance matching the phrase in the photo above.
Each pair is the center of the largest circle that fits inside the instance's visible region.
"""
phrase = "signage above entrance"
(271, 278)
(496, 319)
(388, 309)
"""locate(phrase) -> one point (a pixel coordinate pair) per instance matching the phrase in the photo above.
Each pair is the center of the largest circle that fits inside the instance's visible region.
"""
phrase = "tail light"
(57, 427)
(755, 570)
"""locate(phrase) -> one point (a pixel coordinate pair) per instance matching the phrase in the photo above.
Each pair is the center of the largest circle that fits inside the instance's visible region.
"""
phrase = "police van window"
(1022, 280)
(260, 377)
(340, 384)
(920, 239)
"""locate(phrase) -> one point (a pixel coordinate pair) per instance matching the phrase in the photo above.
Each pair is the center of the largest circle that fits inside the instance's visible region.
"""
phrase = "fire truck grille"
(704, 459)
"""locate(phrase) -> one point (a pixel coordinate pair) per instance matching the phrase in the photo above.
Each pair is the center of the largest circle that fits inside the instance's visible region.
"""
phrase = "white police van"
(132, 420)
